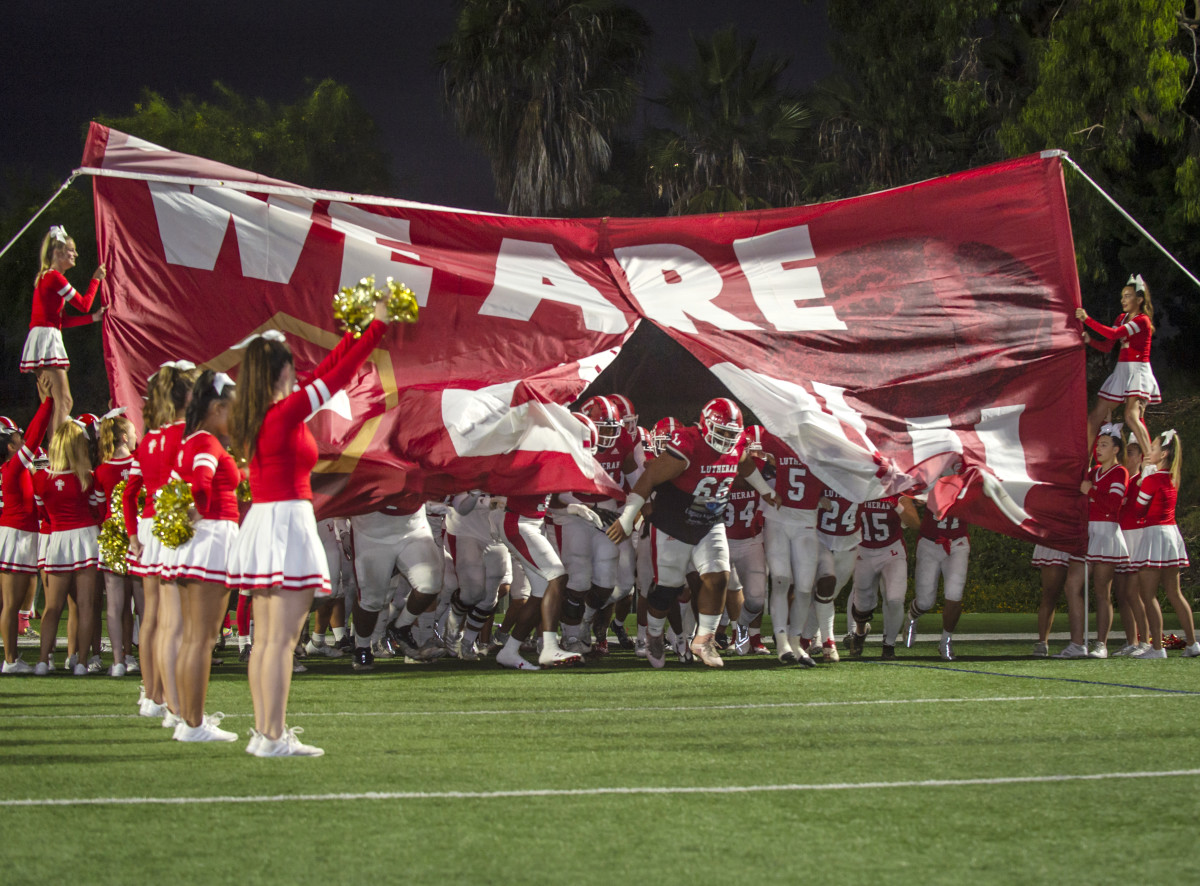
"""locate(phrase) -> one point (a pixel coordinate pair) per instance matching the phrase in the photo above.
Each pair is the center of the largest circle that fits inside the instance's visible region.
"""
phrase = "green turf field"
(993, 769)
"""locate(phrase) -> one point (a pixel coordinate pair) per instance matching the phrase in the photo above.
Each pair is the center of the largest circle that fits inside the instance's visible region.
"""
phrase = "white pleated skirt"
(205, 556)
(1159, 547)
(1131, 543)
(18, 550)
(278, 546)
(151, 561)
(1106, 544)
(1044, 556)
(44, 350)
(1131, 380)
(70, 550)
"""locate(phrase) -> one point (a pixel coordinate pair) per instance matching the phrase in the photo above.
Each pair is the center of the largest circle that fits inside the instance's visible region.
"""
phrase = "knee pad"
(859, 616)
(572, 610)
(661, 598)
(824, 598)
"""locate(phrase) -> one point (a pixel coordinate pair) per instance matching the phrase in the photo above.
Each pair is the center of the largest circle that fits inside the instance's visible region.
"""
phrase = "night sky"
(65, 62)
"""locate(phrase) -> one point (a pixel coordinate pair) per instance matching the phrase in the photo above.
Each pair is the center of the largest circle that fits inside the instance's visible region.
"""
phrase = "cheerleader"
(1132, 382)
(1105, 489)
(161, 628)
(1125, 585)
(199, 566)
(18, 524)
(44, 354)
(67, 491)
(117, 439)
(1160, 552)
(278, 554)
(1052, 566)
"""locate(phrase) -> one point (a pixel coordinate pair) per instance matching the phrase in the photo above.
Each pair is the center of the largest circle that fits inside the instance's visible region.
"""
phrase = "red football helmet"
(645, 438)
(629, 417)
(663, 431)
(606, 418)
(721, 422)
(754, 435)
(590, 435)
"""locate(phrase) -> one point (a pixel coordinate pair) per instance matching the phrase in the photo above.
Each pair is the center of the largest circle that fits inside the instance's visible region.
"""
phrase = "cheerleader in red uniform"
(1125, 586)
(200, 565)
(44, 353)
(67, 491)
(278, 553)
(162, 625)
(1160, 552)
(1105, 489)
(117, 439)
(18, 525)
(1132, 382)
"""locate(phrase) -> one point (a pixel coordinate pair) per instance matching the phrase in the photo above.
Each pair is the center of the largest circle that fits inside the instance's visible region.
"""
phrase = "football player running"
(691, 482)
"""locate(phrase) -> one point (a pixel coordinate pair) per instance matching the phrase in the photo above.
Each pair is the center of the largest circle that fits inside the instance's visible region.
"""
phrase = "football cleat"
(622, 635)
(910, 631)
(558, 658)
(656, 650)
(888, 652)
(402, 638)
(946, 649)
(757, 646)
(600, 647)
(831, 651)
(704, 648)
(741, 639)
(722, 640)
(639, 648)
(857, 642)
(364, 659)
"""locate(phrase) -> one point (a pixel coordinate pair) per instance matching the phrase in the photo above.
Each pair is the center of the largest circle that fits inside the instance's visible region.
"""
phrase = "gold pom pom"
(401, 303)
(172, 525)
(114, 542)
(354, 306)
(243, 490)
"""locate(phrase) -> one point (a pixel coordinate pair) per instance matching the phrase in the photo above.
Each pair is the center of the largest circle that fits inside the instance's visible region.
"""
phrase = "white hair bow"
(1167, 437)
(269, 335)
(1113, 429)
(181, 365)
(1136, 281)
(221, 381)
(113, 413)
(59, 233)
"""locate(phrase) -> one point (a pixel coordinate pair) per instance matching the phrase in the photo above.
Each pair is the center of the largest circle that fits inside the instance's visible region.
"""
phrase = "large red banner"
(888, 339)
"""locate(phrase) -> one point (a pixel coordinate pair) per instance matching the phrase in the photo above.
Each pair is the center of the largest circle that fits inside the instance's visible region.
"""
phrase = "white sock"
(724, 619)
(243, 642)
(654, 625)
(641, 633)
(550, 641)
(709, 624)
(338, 634)
(689, 620)
(318, 640)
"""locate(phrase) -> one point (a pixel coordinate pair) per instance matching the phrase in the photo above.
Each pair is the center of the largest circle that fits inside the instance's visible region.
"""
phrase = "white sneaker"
(287, 745)
(94, 666)
(117, 670)
(558, 657)
(141, 694)
(1151, 653)
(19, 667)
(656, 650)
(41, 669)
(204, 732)
(683, 650)
(1127, 650)
(1099, 650)
(170, 720)
(577, 645)
(1041, 650)
(831, 651)
(81, 670)
(1072, 650)
(255, 742)
(324, 650)
(72, 660)
(151, 710)
(639, 647)
(131, 665)
(1192, 651)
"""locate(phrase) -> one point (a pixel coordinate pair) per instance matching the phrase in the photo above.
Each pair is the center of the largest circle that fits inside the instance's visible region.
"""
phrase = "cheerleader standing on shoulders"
(44, 354)
(1105, 489)
(1132, 382)
(200, 563)
(117, 439)
(278, 553)
(1160, 552)
(161, 629)
(67, 491)
(18, 525)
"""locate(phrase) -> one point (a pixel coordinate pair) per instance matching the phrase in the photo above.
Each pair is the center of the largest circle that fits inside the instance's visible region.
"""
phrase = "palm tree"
(543, 86)
(735, 142)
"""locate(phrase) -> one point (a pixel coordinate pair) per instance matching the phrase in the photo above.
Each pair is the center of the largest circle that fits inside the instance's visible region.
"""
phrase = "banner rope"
(34, 218)
(1133, 221)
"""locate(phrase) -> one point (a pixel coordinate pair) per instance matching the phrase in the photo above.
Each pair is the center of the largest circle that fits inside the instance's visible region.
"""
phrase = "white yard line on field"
(594, 792)
(749, 706)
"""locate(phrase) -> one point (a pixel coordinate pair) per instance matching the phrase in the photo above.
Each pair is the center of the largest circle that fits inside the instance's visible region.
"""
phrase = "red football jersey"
(612, 460)
(1107, 493)
(880, 523)
(841, 520)
(67, 504)
(795, 485)
(942, 531)
(743, 516)
(533, 506)
(691, 504)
